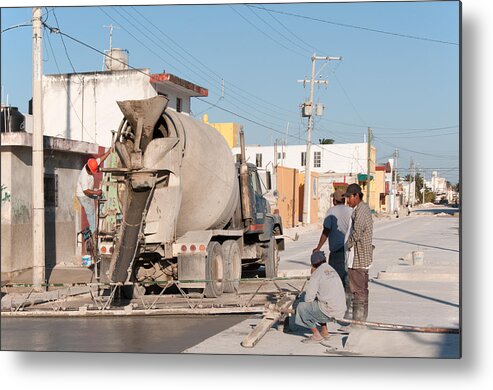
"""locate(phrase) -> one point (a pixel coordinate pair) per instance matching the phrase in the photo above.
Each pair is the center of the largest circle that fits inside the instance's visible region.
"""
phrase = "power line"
(65, 87)
(422, 136)
(265, 34)
(289, 31)
(16, 26)
(56, 30)
(63, 43)
(358, 27)
(414, 151)
(277, 31)
(192, 70)
(238, 96)
(257, 98)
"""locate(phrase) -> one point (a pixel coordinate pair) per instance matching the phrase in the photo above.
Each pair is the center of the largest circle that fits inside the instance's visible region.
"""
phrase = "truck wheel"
(214, 270)
(270, 256)
(232, 265)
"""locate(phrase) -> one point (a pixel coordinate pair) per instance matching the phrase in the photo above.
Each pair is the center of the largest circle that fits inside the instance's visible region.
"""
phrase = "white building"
(437, 184)
(82, 106)
(339, 158)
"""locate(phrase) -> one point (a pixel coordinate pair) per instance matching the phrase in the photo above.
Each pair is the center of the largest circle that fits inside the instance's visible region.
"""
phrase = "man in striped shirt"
(359, 241)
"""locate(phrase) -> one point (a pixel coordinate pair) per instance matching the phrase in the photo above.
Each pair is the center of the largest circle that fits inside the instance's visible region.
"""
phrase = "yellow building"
(229, 131)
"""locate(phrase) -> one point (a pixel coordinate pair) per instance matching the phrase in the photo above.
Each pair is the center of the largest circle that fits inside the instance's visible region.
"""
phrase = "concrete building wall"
(83, 106)
(228, 130)
(350, 158)
(63, 161)
(288, 196)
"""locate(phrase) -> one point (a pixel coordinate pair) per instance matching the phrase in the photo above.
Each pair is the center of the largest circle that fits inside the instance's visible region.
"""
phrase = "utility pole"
(368, 178)
(275, 155)
(409, 182)
(394, 184)
(37, 157)
(414, 183)
(308, 111)
(424, 185)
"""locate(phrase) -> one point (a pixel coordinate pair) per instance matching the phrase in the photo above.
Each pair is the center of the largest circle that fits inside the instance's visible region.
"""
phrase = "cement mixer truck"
(189, 211)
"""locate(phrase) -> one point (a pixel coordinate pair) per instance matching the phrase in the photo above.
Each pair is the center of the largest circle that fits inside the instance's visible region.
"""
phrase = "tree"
(420, 184)
(326, 141)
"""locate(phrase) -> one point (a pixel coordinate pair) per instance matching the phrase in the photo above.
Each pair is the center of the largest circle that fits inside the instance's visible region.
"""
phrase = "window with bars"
(51, 190)
(317, 159)
(258, 160)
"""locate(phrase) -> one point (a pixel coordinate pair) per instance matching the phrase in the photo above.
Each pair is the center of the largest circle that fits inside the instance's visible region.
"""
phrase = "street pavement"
(401, 293)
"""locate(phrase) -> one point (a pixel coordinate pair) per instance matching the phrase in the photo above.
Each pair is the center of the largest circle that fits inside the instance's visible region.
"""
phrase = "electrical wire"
(265, 34)
(16, 26)
(358, 27)
(151, 38)
(226, 110)
(287, 29)
(304, 49)
(65, 87)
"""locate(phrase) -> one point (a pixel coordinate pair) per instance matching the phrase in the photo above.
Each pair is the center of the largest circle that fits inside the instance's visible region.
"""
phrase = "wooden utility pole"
(38, 206)
(394, 184)
(368, 171)
(309, 113)
(414, 181)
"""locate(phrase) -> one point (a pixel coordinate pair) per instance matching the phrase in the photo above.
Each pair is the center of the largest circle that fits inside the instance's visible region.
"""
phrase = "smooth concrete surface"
(171, 334)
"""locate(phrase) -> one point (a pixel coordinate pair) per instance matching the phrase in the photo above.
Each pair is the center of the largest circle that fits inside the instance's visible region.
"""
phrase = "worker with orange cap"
(86, 193)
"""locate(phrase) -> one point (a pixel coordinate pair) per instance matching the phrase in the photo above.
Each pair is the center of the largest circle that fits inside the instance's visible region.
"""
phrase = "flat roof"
(21, 138)
(170, 80)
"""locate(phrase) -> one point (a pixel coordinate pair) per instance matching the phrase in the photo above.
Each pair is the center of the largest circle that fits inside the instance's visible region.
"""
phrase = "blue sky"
(402, 83)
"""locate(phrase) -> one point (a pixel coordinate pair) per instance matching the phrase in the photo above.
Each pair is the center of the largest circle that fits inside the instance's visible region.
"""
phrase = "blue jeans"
(88, 206)
(338, 262)
(308, 314)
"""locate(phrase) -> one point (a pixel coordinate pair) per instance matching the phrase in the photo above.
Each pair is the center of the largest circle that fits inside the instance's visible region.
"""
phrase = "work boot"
(358, 311)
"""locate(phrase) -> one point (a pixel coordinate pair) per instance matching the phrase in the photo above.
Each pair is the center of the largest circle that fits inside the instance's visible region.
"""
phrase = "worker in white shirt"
(86, 193)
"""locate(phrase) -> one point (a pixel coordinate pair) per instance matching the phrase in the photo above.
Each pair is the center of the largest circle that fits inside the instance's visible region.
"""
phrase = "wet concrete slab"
(171, 334)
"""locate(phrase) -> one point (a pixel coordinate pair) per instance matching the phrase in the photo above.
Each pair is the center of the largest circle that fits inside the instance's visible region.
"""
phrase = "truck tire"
(270, 256)
(214, 270)
(232, 265)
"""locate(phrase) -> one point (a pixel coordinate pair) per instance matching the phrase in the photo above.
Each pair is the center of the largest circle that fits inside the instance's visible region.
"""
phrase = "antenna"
(110, 27)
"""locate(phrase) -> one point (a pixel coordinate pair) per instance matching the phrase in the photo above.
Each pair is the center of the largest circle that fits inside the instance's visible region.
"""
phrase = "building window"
(303, 159)
(178, 105)
(51, 190)
(281, 155)
(258, 160)
(317, 159)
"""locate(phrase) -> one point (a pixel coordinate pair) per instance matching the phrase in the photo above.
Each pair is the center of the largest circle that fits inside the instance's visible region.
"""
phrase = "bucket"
(418, 258)
(86, 261)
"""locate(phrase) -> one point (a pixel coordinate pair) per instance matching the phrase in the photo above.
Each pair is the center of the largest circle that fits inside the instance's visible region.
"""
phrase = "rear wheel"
(270, 256)
(232, 266)
(214, 270)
